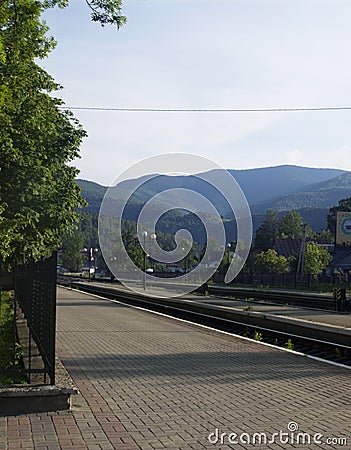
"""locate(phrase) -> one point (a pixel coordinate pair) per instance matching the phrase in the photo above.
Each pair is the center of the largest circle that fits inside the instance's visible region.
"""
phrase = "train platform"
(333, 318)
(323, 325)
(150, 382)
(327, 317)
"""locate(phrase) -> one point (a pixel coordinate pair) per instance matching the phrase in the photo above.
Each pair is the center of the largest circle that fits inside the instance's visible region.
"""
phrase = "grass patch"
(7, 359)
(248, 308)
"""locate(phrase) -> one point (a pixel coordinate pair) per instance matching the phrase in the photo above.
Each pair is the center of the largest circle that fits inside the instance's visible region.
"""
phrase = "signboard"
(343, 228)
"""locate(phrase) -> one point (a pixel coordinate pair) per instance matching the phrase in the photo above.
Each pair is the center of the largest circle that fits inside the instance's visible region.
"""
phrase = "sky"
(211, 54)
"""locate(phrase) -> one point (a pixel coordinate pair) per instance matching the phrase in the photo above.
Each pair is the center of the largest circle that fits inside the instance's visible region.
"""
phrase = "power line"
(210, 110)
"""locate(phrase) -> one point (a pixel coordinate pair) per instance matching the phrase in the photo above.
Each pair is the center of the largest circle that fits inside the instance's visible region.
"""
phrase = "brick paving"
(148, 382)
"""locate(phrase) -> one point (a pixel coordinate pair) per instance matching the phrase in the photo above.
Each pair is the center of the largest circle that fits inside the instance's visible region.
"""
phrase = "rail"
(304, 299)
(275, 296)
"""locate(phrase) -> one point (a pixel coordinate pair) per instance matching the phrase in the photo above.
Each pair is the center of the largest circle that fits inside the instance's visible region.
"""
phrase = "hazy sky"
(208, 54)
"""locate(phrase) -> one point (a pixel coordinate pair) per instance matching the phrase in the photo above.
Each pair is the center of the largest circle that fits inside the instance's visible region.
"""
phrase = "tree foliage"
(268, 231)
(290, 225)
(270, 262)
(72, 258)
(38, 193)
(106, 12)
(316, 258)
(325, 237)
(344, 205)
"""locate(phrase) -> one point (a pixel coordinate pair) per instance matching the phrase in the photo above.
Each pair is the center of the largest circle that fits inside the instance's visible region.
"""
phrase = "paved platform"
(150, 382)
(309, 314)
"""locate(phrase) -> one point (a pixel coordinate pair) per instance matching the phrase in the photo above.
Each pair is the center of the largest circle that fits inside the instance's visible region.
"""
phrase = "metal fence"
(288, 280)
(35, 319)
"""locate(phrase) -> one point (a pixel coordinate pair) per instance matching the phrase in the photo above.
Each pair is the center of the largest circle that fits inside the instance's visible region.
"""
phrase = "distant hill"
(269, 183)
(260, 185)
(309, 190)
(93, 193)
(321, 195)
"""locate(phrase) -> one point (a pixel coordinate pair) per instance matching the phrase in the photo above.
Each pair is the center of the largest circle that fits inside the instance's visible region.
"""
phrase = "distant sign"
(343, 228)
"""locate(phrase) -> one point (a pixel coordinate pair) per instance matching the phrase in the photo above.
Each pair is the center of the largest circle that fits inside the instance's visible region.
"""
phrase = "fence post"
(339, 295)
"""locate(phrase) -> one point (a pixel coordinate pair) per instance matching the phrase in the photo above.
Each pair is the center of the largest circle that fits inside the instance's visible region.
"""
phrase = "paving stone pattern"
(148, 382)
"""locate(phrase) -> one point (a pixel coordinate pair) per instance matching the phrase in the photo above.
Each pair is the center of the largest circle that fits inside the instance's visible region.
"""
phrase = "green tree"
(133, 246)
(106, 12)
(137, 255)
(316, 258)
(290, 225)
(344, 205)
(268, 231)
(270, 262)
(88, 226)
(187, 262)
(72, 246)
(38, 194)
(325, 236)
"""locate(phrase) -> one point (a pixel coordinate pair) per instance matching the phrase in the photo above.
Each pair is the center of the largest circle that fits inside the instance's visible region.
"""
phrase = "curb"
(19, 399)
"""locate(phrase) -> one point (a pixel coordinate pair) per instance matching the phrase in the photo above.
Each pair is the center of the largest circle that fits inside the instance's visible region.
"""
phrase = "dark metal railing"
(35, 320)
(289, 280)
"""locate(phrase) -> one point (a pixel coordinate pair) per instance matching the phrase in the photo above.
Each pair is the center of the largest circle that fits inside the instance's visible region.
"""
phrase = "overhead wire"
(209, 110)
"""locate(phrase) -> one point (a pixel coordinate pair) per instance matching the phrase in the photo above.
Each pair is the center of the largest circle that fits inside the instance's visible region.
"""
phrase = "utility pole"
(301, 261)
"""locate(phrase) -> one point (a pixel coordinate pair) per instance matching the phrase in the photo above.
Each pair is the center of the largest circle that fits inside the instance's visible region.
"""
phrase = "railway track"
(312, 341)
(269, 296)
(293, 298)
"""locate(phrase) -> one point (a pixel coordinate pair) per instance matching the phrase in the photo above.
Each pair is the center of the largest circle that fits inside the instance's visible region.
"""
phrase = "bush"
(7, 359)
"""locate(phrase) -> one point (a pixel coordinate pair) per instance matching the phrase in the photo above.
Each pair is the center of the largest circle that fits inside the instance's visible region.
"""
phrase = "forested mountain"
(270, 183)
(317, 195)
(93, 193)
(260, 186)
(311, 191)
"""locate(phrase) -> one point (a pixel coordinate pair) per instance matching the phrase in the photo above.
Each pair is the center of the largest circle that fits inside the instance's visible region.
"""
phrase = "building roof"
(287, 246)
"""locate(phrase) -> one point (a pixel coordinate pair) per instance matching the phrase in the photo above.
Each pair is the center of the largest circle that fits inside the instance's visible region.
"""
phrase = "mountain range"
(311, 191)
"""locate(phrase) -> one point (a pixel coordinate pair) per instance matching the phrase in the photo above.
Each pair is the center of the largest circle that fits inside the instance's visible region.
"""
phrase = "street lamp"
(90, 254)
(153, 238)
(87, 252)
(228, 246)
(96, 251)
(185, 263)
(145, 254)
(226, 253)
